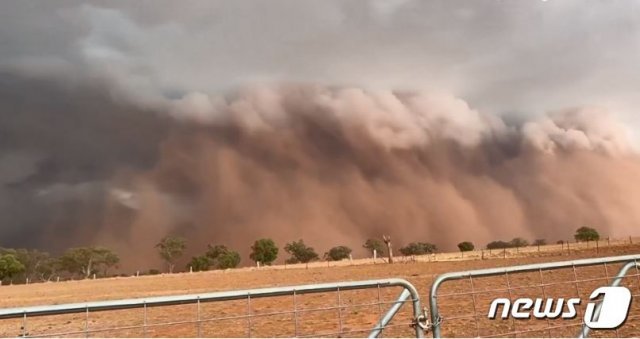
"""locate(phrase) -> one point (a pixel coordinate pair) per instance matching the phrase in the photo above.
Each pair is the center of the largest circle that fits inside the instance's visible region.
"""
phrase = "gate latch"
(423, 321)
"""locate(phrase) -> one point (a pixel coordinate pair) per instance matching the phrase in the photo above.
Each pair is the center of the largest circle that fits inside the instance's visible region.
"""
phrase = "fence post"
(630, 241)
(597, 246)
(504, 253)
(568, 248)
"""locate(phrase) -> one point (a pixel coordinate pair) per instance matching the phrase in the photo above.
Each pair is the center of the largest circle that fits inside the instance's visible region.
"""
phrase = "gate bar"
(433, 294)
(616, 282)
(409, 290)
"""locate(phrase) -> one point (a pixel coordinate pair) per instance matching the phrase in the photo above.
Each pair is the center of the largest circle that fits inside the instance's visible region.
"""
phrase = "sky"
(100, 99)
(502, 56)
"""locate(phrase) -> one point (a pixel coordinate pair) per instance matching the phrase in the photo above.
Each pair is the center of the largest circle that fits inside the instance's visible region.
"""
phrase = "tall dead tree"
(387, 241)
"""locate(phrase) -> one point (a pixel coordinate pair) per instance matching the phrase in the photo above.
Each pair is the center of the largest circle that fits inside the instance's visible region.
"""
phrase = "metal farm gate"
(290, 320)
(461, 308)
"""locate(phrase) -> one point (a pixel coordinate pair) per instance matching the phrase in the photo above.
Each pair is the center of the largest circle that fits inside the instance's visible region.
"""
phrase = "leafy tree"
(539, 242)
(9, 266)
(37, 264)
(222, 257)
(171, 249)
(88, 260)
(519, 242)
(418, 248)
(498, 244)
(230, 259)
(374, 244)
(466, 246)
(264, 251)
(338, 253)
(199, 263)
(586, 234)
(300, 253)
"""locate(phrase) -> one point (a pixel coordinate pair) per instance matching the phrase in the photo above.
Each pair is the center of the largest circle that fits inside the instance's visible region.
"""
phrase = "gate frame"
(409, 292)
(631, 260)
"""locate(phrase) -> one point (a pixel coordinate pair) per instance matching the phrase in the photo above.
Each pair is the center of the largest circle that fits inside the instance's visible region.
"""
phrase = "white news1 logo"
(613, 310)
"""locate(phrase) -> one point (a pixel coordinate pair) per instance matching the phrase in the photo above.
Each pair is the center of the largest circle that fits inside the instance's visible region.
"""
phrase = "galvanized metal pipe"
(616, 282)
(97, 306)
(433, 294)
(386, 318)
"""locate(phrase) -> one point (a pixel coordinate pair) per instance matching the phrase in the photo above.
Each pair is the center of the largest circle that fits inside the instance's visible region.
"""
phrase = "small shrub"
(338, 253)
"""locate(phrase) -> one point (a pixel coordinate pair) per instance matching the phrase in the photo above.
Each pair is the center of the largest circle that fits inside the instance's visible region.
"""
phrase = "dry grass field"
(358, 311)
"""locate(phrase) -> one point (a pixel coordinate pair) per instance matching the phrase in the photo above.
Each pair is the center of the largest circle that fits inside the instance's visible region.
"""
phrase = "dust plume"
(338, 165)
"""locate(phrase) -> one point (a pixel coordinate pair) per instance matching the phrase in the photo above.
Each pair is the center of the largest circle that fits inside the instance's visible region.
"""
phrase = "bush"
(418, 248)
(519, 242)
(498, 244)
(539, 242)
(586, 234)
(230, 259)
(338, 253)
(153, 271)
(466, 246)
(300, 253)
(9, 266)
(199, 263)
(374, 244)
(264, 251)
(222, 257)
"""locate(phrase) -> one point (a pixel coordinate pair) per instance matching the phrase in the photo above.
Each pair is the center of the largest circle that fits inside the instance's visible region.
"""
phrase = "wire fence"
(460, 301)
(349, 309)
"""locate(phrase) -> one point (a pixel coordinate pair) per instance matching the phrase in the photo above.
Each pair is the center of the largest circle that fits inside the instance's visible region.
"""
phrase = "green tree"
(586, 234)
(88, 260)
(230, 259)
(374, 244)
(466, 246)
(222, 257)
(338, 253)
(199, 263)
(171, 249)
(37, 265)
(9, 266)
(300, 253)
(519, 242)
(498, 244)
(264, 251)
(418, 248)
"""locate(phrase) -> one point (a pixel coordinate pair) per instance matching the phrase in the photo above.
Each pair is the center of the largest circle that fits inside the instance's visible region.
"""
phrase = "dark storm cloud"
(60, 145)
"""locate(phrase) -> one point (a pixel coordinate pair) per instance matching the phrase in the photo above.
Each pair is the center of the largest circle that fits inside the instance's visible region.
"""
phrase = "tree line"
(27, 265)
